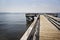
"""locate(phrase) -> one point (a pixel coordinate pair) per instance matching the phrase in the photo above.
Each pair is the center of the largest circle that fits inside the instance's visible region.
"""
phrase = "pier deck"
(47, 30)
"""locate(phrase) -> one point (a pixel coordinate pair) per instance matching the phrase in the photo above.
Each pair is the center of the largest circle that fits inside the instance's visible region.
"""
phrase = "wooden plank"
(47, 30)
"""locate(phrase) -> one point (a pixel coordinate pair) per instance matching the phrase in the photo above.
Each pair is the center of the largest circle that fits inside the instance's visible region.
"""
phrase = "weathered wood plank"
(47, 30)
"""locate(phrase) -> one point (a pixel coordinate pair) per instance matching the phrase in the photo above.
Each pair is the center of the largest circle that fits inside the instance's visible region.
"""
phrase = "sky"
(35, 6)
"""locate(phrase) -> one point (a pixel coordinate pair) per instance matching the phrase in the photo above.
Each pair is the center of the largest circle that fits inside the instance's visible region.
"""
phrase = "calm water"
(59, 15)
(12, 26)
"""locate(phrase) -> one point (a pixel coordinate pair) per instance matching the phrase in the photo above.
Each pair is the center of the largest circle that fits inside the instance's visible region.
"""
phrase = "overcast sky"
(29, 5)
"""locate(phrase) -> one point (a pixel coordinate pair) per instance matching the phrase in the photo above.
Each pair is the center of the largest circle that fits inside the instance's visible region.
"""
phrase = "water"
(12, 26)
(59, 15)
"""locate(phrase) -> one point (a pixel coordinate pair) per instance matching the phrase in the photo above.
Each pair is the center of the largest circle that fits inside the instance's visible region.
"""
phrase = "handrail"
(56, 18)
(27, 33)
(53, 21)
(56, 21)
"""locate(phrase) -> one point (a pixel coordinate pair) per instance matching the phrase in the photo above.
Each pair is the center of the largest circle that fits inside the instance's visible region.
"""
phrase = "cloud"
(31, 6)
(40, 8)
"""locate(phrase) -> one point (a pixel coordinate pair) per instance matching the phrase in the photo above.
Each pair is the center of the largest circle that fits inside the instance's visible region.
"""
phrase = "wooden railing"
(53, 20)
(31, 30)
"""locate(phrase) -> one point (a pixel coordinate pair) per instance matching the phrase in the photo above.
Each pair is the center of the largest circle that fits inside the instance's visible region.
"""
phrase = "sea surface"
(12, 26)
(59, 15)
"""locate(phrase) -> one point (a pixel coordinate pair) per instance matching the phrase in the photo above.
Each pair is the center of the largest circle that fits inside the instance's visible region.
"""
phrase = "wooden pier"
(43, 27)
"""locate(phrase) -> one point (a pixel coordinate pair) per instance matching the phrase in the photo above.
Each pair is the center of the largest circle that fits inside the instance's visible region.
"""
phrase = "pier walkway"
(47, 30)
(43, 27)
